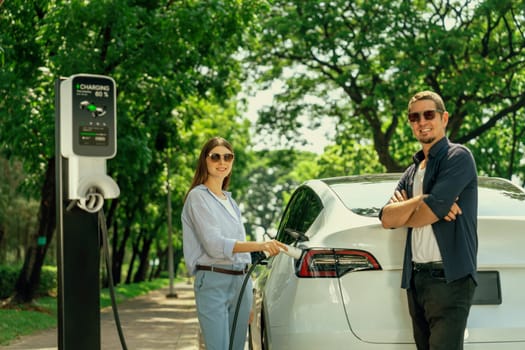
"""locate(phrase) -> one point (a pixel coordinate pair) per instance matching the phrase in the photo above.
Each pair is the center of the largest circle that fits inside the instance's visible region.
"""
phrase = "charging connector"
(292, 252)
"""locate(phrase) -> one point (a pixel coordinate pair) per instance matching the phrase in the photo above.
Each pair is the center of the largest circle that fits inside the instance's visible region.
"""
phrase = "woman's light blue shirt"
(209, 231)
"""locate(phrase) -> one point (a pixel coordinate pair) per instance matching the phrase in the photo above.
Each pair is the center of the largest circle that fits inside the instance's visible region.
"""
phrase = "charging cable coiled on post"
(92, 202)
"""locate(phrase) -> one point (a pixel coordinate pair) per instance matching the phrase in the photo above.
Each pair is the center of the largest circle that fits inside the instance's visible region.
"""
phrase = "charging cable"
(103, 228)
(258, 257)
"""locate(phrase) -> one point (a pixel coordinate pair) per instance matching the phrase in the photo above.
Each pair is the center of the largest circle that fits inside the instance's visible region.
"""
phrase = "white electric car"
(344, 292)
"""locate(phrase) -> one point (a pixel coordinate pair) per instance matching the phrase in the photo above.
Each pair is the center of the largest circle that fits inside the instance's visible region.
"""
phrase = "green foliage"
(18, 213)
(365, 59)
(48, 281)
(163, 55)
(348, 159)
(272, 176)
(209, 120)
(8, 276)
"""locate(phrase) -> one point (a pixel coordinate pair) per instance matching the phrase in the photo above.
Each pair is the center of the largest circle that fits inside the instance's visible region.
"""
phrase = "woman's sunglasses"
(428, 115)
(216, 157)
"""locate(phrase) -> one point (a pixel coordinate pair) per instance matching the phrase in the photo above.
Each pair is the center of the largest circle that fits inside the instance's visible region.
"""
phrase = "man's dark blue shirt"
(450, 176)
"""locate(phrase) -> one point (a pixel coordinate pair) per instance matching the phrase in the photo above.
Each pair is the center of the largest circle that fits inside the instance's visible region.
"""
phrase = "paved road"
(149, 322)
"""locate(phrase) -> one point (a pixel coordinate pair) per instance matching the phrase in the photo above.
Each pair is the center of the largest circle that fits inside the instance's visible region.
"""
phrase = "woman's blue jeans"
(216, 296)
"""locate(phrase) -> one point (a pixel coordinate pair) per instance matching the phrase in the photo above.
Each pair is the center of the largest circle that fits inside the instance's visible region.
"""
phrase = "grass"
(42, 313)
(128, 291)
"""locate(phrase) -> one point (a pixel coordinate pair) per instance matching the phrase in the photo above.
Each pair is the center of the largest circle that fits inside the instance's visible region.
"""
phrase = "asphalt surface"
(149, 322)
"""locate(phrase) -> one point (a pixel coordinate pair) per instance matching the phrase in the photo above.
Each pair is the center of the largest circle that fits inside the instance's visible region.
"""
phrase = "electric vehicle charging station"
(85, 137)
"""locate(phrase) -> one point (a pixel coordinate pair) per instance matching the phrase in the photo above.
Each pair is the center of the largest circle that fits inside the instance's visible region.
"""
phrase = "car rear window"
(365, 198)
(501, 201)
(497, 197)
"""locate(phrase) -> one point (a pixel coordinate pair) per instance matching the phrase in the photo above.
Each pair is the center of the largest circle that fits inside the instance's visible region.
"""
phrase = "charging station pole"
(85, 136)
(78, 257)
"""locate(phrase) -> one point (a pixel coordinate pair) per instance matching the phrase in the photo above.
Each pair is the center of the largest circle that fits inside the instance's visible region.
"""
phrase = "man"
(437, 199)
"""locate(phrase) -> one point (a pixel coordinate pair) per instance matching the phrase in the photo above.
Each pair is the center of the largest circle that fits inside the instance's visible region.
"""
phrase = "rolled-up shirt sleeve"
(453, 179)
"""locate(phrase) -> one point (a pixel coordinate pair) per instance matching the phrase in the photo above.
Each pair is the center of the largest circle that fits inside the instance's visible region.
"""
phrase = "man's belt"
(430, 266)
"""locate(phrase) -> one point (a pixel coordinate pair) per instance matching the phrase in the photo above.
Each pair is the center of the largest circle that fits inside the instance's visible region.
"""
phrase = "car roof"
(497, 196)
(362, 178)
(483, 181)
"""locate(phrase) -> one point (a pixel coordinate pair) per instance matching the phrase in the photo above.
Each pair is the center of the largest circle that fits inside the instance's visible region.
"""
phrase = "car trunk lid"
(500, 254)
(379, 314)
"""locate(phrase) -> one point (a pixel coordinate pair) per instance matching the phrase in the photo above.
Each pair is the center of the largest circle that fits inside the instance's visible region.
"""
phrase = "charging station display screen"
(93, 135)
(94, 110)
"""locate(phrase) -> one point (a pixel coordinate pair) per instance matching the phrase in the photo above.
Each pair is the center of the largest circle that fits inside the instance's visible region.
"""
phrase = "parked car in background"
(344, 292)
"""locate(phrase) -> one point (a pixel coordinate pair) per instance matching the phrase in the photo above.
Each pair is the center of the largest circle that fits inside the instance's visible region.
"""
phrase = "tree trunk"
(119, 249)
(116, 262)
(2, 250)
(177, 257)
(134, 253)
(142, 270)
(29, 278)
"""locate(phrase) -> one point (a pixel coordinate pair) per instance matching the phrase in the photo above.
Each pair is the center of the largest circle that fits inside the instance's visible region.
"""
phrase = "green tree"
(160, 53)
(364, 59)
(17, 213)
(272, 176)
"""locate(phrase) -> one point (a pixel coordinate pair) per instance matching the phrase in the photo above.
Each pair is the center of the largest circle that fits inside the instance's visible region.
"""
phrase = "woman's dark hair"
(201, 173)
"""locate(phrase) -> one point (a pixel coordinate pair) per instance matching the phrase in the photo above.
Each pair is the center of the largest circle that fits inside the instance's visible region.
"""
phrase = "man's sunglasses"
(428, 115)
(216, 157)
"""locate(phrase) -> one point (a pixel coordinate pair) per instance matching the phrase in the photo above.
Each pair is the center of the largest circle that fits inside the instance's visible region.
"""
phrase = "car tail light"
(334, 262)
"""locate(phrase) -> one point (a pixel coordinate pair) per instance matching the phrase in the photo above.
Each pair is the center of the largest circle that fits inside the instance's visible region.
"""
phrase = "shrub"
(48, 281)
(8, 277)
(9, 274)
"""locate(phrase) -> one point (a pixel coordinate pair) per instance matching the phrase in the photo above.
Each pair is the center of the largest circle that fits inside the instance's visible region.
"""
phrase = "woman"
(216, 250)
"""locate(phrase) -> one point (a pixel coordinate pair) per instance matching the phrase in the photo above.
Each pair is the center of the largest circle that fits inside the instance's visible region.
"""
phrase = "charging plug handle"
(292, 252)
(92, 202)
